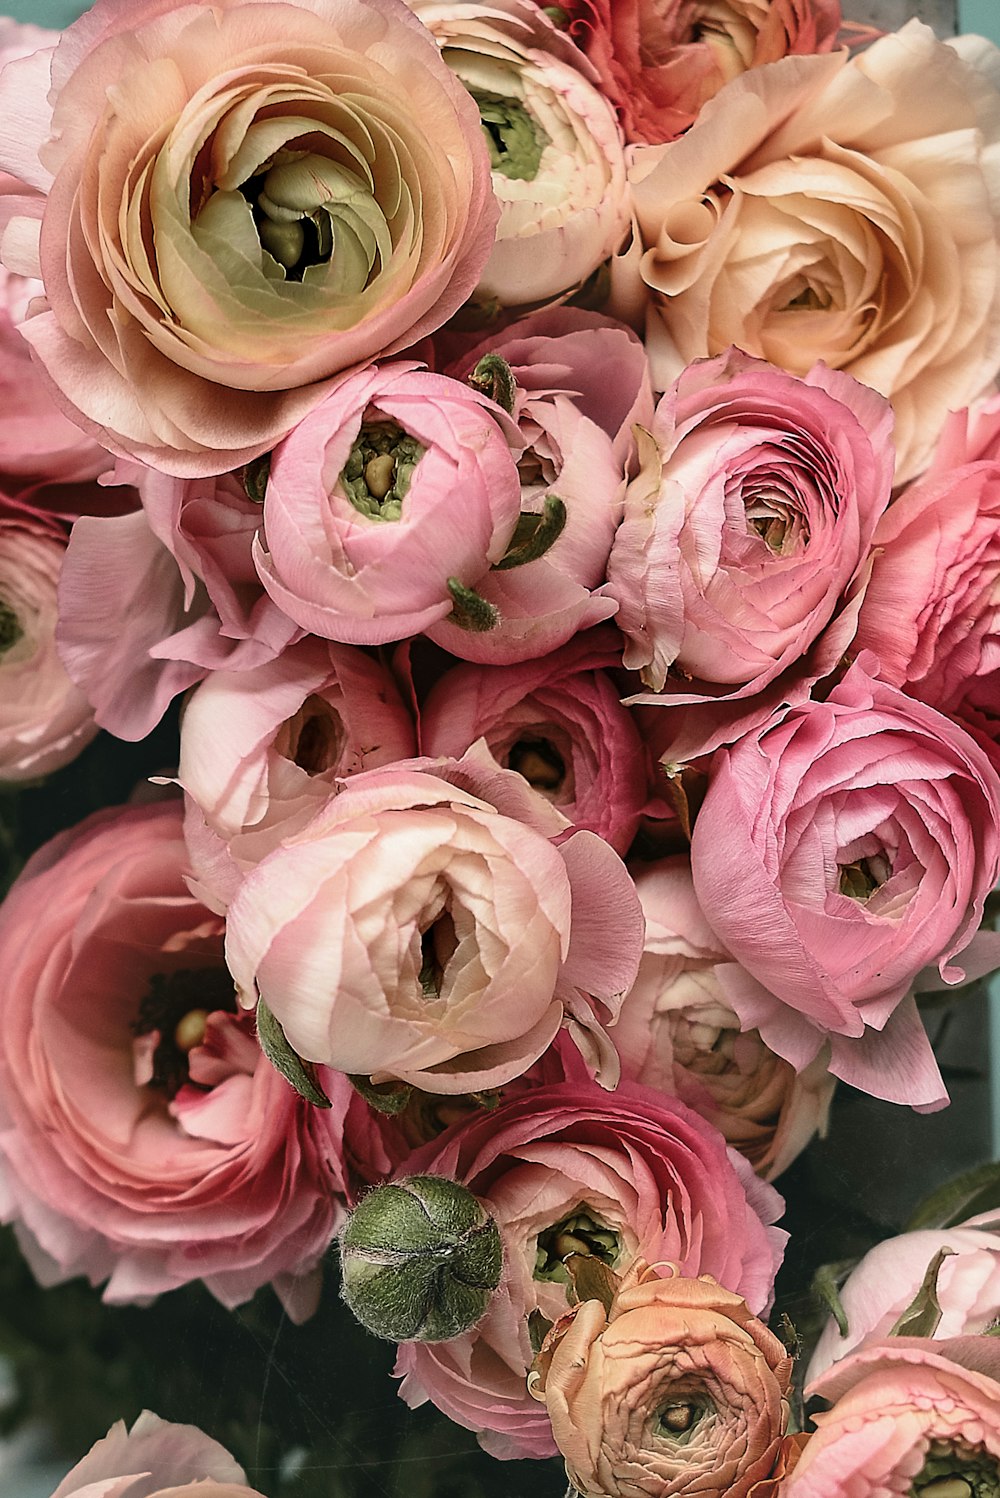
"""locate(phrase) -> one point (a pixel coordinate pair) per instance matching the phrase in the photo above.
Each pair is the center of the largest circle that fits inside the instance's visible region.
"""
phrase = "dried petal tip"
(420, 1260)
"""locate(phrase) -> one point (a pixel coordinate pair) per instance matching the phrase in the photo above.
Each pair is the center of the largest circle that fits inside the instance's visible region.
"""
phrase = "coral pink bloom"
(159, 1460)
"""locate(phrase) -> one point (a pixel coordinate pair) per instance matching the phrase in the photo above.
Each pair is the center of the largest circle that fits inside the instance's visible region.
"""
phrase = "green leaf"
(471, 611)
(301, 1074)
(389, 1098)
(966, 1195)
(922, 1316)
(534, 534)
(826, 1287)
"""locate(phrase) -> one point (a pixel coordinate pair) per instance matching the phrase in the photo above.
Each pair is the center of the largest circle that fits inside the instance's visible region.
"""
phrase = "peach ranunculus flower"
(840, 210)
(908, 1415)
(237, 201)
(155, 1459)
(677, 1388)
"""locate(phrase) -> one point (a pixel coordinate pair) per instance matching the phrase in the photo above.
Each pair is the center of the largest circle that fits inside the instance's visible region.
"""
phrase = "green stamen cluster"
(515, 140)
(579, 1233)
(378, 471)
(954, 1470)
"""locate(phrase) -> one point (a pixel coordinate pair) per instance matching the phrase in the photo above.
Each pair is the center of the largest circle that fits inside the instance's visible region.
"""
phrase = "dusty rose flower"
(676, 1389)
(678, 1033)
(932, 610)
(155, 1459)
(555, 147)
(566, 1168)
(908, 1415)
(239, 200)
(45, 720)
(144, 1140)
(743, 540)
(878, 1291)
(839, 852)
(430, 925)
(400, 484)
(262, 750)
(557, 721)
(811, 213)
(660, 62)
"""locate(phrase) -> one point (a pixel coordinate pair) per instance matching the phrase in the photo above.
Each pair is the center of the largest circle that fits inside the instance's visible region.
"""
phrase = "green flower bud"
(420, 1260)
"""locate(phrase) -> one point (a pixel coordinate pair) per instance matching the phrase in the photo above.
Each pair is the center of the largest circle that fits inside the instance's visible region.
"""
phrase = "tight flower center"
(437, 947)
(10, 628)
(954, 1470)
(579, 1233)
(677, 1419)
(541, 764)
(174, 1013)
(313, 738)
(859, 880)
(378, 471)
(514, 138)
(779, 524)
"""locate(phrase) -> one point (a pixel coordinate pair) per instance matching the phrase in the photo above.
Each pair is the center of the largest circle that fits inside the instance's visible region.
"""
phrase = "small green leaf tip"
(301, 1074)
(420, 1260)
(493, 377)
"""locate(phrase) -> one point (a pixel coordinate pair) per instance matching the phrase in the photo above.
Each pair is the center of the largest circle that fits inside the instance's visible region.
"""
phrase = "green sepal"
(590, 1279)
(534, 535)
(826, 1288)
(493, 378)
(539, 1327)
(967, 1195)
(389, 1098)
(922, 1316)
(255, 476)
(470, 610)
(301, 1074)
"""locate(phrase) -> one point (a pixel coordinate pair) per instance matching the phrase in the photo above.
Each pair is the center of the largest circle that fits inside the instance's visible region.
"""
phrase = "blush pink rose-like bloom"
(627, 1174)
(144, 1139)
(660, 62)
(557, 721)
(837, 209)
(744, 537)
(400, 484)
(932, 610)
(678, 1033)
(907, 1414)
(155, 1459)
(842, 853)
(556, 150)
(229, 205)
(432, 925)
(676, 1389)
(262, 750)
(884, 1284)
(45, 720)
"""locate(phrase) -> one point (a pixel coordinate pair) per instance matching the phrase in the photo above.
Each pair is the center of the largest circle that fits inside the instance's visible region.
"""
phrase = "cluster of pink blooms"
(555, 452)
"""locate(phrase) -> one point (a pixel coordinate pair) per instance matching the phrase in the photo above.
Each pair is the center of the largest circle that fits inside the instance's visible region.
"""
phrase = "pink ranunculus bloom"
(145, 1142)
(262, 750)
(432, 925)
(660, 62)
(744, 541)
(631, 1174)
(45, 720)
(677, 1032)
(157, 1460)
(400, 483)
(907, 1414)
(231, 203)
(932, 610)
(556, 149)
(843, 852)
(152, 602)
(810, 213)
(559, 722)
(880, 1288)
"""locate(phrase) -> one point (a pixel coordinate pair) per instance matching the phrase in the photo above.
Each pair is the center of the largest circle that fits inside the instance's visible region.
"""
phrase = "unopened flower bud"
(420, 1260)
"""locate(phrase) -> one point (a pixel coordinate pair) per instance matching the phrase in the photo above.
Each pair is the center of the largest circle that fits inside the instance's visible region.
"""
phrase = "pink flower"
(744, 535)
(555, 147)
(810, 214)
(558, 721)
(841, 850)
(262, 750)
(678, 1033)
(659, 63)
(879, 1290)
(932, 610)
(427, 927)
(907, 1414)
(45, 720)
(233, 203)
(157, 1460)
(399, 485)
(628, 1174)
(144, 1140)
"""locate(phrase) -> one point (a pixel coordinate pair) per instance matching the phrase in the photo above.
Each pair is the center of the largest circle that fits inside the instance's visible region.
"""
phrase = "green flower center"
(579, 1233)
(860, 880)
(378, 471)
(10, 628)
(515, 140)
(954, 1470)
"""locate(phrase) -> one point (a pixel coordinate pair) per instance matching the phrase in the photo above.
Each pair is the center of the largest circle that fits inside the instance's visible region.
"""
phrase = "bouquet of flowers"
(500, 702)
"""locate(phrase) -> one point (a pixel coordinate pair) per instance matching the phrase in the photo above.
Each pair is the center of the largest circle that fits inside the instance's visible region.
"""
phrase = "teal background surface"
(976, 15)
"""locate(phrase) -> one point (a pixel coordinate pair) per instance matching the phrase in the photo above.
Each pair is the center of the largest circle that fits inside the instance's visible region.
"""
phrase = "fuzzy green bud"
(420, 1260)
